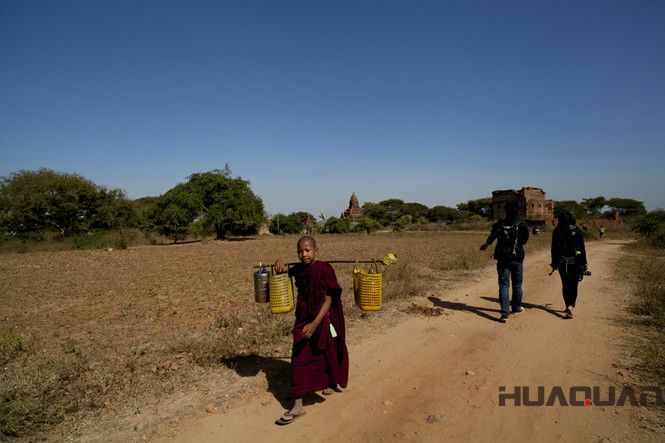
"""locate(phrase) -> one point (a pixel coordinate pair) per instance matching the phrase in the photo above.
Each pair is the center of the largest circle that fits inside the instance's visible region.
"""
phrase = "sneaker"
(518, 310)
(503, 319)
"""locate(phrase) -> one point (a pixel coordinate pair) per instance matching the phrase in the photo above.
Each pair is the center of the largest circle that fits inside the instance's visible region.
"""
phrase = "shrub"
(70, 346)
(652, 227)
(334, 225)
(11, 345)
(644, 269)
(366, 224)
(403, 280)
(658, 237)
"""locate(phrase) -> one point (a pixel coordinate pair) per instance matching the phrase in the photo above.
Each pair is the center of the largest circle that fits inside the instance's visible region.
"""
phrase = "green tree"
(594, 205)
(114, 210)
(366, 224)
(444, 214)
(627, 207)
(228, 204)
(481, 206)
(394, 208)
(334, 225)
(280, 224)
(303, 216)
(293, 223)
(415, 210)
(649, 223)
(174, 211)
(401, 223)
(219, 203)
(572, 206)
(387, 211)
(377, 212)
(142, 207)
(46, 200)
(652, 227)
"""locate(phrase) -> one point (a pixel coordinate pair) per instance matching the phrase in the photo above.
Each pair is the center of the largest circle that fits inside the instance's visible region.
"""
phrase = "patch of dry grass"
(644, 269)
(96, 331)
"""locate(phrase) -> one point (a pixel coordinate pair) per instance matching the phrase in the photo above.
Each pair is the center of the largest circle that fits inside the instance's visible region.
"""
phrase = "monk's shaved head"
(307, 239)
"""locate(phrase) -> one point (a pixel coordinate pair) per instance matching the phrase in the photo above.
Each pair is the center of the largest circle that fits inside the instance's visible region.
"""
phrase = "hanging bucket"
(280, 287)
(367, 289)
(261, 284)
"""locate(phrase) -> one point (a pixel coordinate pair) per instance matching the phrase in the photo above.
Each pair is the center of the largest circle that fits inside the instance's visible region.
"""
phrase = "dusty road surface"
(438, 378)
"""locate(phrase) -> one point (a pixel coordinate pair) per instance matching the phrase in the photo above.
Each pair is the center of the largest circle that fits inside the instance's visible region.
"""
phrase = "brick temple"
(531, 203)
(354, 211)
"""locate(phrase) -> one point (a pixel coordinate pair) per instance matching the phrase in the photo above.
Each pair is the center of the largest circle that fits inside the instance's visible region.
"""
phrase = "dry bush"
(404, 280)
(11, 345)
(644, 270)
(651, 290)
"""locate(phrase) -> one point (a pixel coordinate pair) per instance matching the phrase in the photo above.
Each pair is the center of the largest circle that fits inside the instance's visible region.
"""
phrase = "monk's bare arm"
(309, 328)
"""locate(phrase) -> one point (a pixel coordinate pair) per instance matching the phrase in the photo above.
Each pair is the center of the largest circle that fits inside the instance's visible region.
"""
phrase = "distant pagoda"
(354, 211)
(309, 224)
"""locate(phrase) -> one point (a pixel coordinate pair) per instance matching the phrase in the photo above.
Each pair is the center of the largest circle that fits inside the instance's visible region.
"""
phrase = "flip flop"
(288, 418)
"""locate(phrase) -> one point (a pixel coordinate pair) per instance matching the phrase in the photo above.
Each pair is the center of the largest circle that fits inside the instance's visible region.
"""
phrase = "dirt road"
(449, 369)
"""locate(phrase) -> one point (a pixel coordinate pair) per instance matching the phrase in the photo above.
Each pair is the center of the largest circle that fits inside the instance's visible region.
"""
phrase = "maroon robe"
(321, 361)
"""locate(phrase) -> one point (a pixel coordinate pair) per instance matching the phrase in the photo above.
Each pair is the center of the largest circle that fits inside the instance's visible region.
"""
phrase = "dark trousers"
(569, 282)
(510, 274)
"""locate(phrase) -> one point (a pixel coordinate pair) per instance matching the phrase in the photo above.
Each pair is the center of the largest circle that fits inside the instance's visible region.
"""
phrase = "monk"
(319, 359)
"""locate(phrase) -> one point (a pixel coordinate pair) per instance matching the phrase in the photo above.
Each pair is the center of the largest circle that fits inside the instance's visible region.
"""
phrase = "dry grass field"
(158, 330)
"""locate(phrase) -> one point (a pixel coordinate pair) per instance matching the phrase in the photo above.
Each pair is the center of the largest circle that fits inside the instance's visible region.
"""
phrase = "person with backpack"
(511, 234)
(569, 257)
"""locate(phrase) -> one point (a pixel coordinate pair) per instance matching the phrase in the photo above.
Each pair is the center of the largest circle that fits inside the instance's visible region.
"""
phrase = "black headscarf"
(566, 220)
(511, 210)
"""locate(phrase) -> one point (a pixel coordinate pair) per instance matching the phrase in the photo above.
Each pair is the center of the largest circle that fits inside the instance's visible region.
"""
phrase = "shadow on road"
(277, 375)
(459, 306)
(546, 307)
(275, 369)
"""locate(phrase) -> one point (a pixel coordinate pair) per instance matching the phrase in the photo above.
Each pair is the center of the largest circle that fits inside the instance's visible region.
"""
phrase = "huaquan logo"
(581, 396)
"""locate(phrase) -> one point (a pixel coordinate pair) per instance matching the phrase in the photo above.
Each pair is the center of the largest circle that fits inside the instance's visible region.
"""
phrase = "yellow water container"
(367, 289)
(281, 293)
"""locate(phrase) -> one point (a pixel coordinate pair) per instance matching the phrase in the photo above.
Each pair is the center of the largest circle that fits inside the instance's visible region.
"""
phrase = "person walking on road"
(511, 234)
(569, 257)
(319, 358)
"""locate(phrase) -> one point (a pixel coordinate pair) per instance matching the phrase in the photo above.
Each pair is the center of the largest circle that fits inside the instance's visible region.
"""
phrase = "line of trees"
(34, 204)
(601, 207)
(394, 213)
(398, 214)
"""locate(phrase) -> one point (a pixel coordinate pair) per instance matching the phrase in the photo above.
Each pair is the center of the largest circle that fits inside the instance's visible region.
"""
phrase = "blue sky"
(435, 102)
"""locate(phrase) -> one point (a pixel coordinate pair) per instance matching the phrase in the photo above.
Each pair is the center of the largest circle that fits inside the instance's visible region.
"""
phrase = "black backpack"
(507, 245)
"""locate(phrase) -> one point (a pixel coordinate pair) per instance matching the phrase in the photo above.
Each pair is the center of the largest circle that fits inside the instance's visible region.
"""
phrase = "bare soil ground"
(93, 342)
(166, 343)
(437, 378)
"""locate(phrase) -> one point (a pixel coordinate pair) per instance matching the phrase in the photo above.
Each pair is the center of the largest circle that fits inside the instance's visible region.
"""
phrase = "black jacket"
(568, 243)
(509, 250)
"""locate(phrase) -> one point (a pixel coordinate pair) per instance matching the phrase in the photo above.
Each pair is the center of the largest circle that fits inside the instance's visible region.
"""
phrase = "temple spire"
(354, 210)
